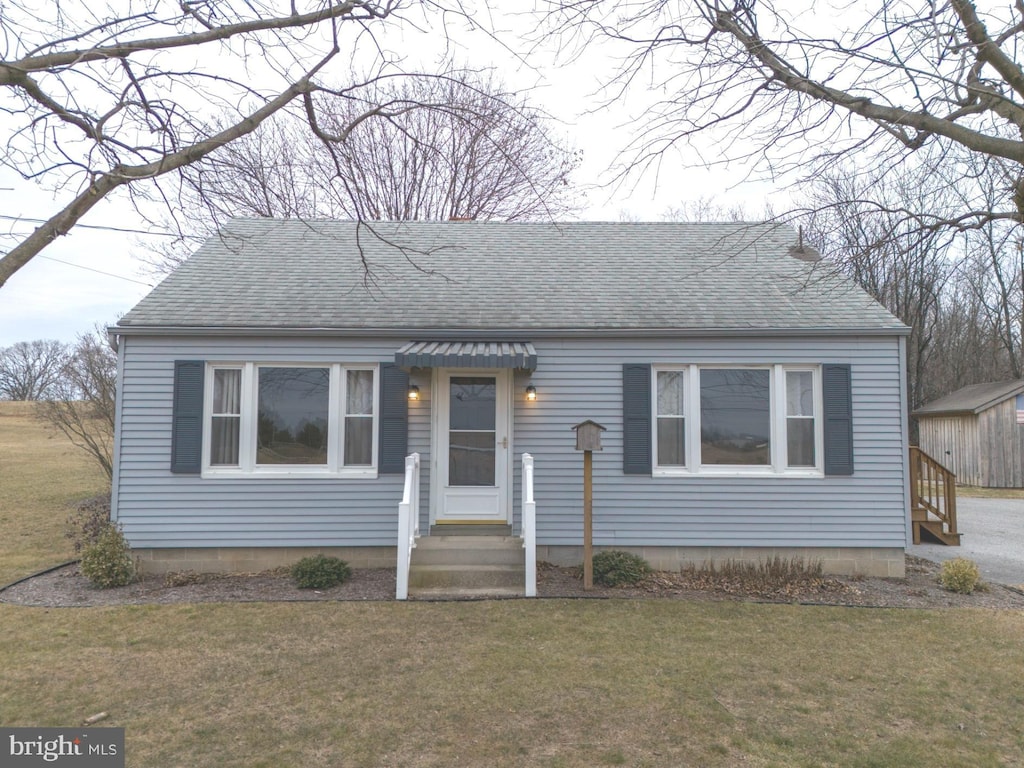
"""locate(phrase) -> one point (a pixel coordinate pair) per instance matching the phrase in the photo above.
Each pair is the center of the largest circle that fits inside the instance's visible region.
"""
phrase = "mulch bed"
(65, 587)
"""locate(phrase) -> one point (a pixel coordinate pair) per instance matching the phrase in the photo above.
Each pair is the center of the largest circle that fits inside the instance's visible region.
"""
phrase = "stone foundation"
(254, 559)
(840, 561)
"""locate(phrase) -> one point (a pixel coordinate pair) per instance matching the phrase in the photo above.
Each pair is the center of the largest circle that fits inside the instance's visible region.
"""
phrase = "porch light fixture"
(414, 392)
(531, 393)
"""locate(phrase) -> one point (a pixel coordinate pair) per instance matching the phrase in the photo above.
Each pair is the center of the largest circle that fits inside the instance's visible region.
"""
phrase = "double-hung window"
(290, 419)
(226, 417)
(671, 417)
(802, 419)
(737, 419)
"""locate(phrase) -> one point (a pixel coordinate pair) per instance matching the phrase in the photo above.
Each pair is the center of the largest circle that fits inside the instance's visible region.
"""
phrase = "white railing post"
(408, 524)
(529, 527)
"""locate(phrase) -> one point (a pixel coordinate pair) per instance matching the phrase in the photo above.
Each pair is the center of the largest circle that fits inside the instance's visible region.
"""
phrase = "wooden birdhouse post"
(588, 440)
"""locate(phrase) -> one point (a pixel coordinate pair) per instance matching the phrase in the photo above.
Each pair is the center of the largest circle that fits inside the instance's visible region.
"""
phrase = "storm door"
(472, 446)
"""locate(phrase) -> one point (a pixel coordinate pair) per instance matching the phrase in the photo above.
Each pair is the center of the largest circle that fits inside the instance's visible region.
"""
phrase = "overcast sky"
(94, 274)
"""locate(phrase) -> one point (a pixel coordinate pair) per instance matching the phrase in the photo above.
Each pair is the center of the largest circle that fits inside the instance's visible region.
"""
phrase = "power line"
(90, 269)
(91, 226)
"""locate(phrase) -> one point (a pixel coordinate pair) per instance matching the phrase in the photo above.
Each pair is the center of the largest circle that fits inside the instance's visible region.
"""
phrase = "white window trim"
(778, 432)
(247, 466)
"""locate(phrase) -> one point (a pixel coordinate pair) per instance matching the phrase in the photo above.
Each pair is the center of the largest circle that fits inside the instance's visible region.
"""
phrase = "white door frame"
(440, 389)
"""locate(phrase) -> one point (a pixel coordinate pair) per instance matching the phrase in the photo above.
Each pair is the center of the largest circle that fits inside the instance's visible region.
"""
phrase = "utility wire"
(97, 271)
(90, 226)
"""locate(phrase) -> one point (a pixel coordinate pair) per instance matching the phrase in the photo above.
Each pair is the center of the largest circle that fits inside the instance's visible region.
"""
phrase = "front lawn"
(500, 683)
(41, 475)
(525, 683)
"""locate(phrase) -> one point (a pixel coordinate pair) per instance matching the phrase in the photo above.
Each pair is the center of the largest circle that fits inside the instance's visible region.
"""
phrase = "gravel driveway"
(992, 536)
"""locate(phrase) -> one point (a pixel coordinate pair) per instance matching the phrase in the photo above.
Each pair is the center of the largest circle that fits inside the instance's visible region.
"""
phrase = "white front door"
(472, 439)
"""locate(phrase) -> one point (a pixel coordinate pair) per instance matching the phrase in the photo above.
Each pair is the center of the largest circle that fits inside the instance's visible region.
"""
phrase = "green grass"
(41, 475)
(990, 493)
(505, 683)
(572, 683)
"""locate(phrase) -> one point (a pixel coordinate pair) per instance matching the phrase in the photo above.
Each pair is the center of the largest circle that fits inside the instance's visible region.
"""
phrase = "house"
(295, 383)
(978, 433)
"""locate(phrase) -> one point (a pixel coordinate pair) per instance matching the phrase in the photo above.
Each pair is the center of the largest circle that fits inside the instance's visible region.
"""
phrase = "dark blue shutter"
(187, 417)
(838, 403)
(636, 419)
(394, 419)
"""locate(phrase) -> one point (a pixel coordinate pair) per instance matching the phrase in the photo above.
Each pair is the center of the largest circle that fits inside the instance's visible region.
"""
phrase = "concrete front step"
(482, 556)
(464, 593)
(475, 529)
(456, 563)
(467, 576)
(468, 542)
(468, 550)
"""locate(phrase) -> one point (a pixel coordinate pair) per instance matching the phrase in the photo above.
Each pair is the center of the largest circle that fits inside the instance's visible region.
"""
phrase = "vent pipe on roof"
(801, 251)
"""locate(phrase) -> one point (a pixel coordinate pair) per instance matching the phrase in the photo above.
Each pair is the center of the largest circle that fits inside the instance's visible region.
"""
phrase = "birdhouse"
(588, 436)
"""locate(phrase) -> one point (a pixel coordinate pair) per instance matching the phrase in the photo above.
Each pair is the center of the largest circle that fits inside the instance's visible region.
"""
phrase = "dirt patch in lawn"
(919, 589)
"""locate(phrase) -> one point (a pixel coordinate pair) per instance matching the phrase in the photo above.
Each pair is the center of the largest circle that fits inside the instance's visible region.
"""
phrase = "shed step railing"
(529, 520)
(408, 524)
(932, 498)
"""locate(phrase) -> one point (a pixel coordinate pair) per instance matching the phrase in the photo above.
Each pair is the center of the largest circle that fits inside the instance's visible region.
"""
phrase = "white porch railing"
(529, 527)
(408, 524)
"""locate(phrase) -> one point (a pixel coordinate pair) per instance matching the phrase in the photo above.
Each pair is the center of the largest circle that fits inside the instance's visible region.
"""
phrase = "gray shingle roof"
(973, 399)
(506, 277)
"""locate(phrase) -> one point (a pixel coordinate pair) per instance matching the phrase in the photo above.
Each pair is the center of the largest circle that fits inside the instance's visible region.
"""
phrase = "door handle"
(504, 442)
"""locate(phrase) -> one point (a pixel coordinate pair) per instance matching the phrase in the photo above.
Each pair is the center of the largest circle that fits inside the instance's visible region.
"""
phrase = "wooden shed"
(978, 433)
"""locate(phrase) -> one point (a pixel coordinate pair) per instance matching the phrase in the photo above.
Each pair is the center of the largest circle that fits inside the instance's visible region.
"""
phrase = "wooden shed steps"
(932, 531)
(932, 500)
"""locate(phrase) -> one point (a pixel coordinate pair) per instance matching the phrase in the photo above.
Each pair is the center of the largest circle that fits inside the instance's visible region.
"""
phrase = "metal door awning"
(467, 354)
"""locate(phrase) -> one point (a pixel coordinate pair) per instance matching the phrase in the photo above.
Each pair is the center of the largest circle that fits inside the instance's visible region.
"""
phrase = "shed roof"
(462, 279)
(973, 399)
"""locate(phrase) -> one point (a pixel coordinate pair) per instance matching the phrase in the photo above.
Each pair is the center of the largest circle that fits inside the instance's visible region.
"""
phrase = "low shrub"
(320, 572)
(89, 520)
(615, 568)
(960, 575)
(107, 561)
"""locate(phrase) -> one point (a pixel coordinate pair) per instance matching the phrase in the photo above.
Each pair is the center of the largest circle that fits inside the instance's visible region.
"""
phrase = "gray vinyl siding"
(576, 379)
(158, 509)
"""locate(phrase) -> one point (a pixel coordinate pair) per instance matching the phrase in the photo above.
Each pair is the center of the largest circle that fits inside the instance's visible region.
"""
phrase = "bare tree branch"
(29, 370)
(101, 105)
(105, 183)
(82, 404)
(422, 148)
(45, 62)
(913, 74)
